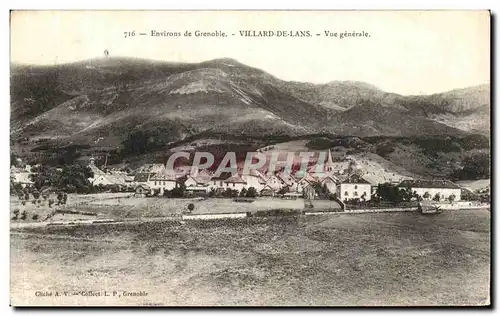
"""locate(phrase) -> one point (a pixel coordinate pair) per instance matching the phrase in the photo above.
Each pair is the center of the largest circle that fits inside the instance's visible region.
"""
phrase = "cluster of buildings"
(339, 177)
(21, 175)
(334, 176)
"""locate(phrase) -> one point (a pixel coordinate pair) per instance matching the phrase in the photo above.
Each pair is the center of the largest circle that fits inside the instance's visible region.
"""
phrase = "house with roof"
(330, 182)
(162, 181)
(142, 190)
(275, 183)
(305, 181)
(201, 178)
(235, 182)
(21, 176)
(198, 181)
(255, 179)
(354, 187)
(308, 192)
(267, 190)
(288, 180)
(218, 182)
(431, 189)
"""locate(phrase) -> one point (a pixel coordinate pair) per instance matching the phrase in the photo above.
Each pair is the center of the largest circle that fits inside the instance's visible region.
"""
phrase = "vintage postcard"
(250, 158)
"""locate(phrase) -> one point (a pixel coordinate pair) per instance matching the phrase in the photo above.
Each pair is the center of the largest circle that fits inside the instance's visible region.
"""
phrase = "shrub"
(211, 193)
(426, 195)
(251, 192)
(243, 192)
(36, 194)
(332, 196)
(35, 217)
(24, 215)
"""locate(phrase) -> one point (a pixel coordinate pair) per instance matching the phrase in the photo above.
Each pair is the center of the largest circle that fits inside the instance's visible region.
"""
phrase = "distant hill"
(147, 106)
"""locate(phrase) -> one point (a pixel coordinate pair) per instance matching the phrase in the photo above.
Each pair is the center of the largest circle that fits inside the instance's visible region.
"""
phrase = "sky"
(407, 52)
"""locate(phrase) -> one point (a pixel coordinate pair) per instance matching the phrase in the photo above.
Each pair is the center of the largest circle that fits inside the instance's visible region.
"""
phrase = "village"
(344, 184)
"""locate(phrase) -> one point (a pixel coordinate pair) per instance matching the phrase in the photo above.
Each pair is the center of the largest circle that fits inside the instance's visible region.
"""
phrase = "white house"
(330, 182)
(162, 181)
(235, 183)
(274, 183)
(218, 183)
(428, 189)
(255, 179)
(198, 181)
(21, 177)
(354, 187)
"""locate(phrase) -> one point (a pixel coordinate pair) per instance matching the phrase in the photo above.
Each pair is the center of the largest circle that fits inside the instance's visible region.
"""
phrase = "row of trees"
(229, 193)
(180, 191)
(395, 194)
(22, 215)
(36, 197)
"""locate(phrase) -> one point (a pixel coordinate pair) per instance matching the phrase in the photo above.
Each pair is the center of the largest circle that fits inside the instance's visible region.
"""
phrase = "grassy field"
(124, 205)
(336, 259)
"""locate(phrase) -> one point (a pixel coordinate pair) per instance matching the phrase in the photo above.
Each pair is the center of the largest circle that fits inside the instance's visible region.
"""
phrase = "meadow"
(126, 206)
(390, 259)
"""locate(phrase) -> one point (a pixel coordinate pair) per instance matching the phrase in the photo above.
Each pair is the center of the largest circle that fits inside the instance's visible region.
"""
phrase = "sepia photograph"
(250, 158)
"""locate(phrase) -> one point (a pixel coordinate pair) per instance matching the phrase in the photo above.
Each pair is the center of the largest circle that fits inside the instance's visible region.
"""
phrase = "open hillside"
(107, 98)
(140, 110)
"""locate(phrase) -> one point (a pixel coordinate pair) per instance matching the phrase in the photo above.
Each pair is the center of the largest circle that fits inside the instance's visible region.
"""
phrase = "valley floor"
(394, 259)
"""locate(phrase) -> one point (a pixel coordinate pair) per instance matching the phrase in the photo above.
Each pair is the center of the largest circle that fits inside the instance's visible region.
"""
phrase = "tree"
(437, 197)
(474, 167)
(243, 192)
(283, 190)
(317, 187)
(363, 197)
(228, 193)
(178, 191)
(60, 197)
(16, 214)
(24, 214)
(391, 193)
(211, 193)
(406, 194)
(451, 198)
(333, 196)
(426, 195)
(36, 194)
(69, 178)
(252, 192)
(190, 207)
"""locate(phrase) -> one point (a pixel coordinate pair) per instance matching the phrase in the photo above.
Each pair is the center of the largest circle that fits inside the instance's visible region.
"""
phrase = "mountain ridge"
(76, 102)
